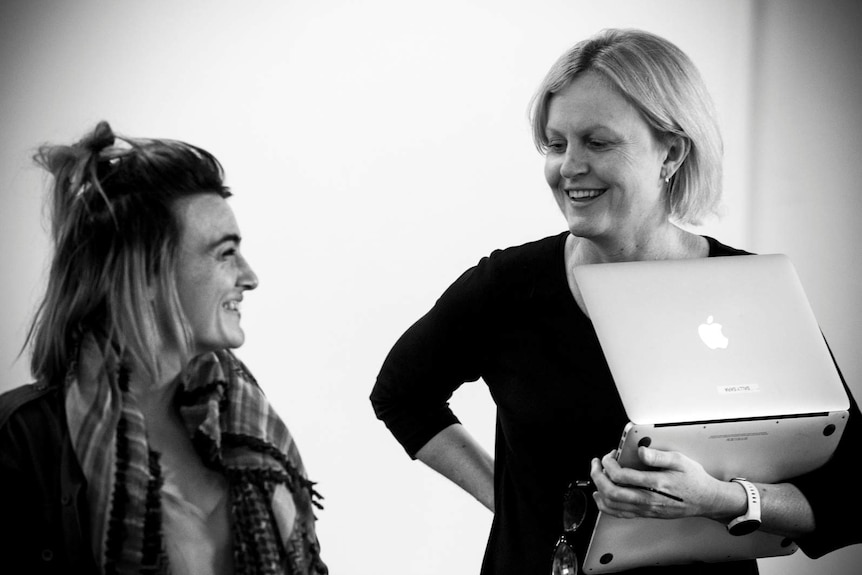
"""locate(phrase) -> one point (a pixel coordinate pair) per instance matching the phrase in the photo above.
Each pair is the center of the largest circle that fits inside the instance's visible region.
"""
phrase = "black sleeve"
(832, 491)
(40, 531)
(18, 507)
(434, 357)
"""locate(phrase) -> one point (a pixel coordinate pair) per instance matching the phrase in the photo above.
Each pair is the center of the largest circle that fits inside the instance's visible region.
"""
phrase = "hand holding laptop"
(669, 486)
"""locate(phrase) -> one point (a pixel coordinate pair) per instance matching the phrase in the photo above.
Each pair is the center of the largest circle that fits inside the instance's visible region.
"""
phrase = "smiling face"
(603, 163)
(211, 272)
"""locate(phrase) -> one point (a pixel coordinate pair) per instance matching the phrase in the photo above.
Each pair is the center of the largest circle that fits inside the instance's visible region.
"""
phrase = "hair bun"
(100, 138)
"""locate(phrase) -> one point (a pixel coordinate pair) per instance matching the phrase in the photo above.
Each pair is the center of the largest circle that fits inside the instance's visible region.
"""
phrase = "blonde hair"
(115, 240)
(660, 81)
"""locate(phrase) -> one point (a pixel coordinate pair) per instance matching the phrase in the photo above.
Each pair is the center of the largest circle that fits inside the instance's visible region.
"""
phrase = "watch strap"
(750, 521)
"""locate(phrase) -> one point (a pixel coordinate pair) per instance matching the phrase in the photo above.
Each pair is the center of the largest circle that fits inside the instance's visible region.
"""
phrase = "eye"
(229, 253)
(597, 144)
(556, 146)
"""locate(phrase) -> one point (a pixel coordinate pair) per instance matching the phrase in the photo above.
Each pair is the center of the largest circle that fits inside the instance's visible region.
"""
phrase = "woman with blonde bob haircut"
(663, 84)
(145, 445)
(632, 152)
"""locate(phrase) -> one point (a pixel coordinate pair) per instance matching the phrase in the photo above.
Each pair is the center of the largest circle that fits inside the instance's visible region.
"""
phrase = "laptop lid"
(710, 338)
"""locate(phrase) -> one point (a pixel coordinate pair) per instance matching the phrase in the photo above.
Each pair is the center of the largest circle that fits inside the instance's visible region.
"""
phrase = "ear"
(675, 154)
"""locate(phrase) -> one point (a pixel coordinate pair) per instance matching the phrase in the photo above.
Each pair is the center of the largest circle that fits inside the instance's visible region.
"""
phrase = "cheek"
(552, 171)
(195, 297)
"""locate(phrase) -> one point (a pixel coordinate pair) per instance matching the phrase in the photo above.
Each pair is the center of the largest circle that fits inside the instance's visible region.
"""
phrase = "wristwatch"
(750, 522)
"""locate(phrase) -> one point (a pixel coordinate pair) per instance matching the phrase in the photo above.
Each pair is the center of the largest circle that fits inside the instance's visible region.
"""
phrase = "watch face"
(745, 527)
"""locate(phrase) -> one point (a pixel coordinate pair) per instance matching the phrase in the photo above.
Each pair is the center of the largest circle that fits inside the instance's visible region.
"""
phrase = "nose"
(574, 163)
(247, 278)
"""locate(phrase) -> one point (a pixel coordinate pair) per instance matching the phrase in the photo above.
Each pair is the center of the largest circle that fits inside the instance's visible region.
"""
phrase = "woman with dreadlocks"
(145, 445)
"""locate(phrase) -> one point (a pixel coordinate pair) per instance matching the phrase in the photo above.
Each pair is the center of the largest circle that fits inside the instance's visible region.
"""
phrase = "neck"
(157, 396)
(667, 243)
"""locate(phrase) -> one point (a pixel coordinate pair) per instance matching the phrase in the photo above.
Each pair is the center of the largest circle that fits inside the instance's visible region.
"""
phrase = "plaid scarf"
(233, 428)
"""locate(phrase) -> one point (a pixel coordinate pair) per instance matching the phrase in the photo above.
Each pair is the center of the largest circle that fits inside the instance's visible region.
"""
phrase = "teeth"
(584, 194)
(232, 306)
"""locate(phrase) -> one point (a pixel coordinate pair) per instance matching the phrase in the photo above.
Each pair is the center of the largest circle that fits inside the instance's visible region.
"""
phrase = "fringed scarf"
(233, 428)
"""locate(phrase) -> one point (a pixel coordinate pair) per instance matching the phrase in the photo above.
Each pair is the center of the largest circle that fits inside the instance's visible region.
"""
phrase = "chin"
(586, 227)
(580, 231)
(234, 342)
(224, 342)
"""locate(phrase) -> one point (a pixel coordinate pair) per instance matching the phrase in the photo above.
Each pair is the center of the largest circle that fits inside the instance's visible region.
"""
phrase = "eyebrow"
(594, 127)
(225, 238)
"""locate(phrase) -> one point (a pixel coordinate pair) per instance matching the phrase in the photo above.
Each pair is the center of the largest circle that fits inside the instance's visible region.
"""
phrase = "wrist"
(749, 521)
(730, 501)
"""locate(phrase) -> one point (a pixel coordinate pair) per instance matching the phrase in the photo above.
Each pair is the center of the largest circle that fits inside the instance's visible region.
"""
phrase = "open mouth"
(584, 195)
(231, 306)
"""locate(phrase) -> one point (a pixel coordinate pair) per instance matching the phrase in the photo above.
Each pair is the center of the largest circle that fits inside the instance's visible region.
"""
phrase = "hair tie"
(101, 138)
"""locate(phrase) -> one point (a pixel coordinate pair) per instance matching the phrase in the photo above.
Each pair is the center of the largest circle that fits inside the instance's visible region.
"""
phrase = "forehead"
(204, 218)
(589, 100)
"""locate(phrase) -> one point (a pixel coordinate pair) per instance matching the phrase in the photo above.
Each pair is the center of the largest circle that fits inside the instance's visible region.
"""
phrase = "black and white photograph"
(382, 287)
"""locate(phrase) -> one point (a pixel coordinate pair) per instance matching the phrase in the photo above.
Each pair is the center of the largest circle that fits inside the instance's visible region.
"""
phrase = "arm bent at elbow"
(456, 455)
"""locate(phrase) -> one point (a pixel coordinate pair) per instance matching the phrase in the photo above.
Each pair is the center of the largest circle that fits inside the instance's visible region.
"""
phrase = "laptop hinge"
(738, 419)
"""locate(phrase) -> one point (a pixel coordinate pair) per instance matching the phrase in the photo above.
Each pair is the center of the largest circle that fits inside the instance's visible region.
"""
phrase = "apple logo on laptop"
(711, 334)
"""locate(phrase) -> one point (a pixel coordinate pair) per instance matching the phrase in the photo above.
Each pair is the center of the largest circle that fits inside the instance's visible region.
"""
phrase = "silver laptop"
(721, 359)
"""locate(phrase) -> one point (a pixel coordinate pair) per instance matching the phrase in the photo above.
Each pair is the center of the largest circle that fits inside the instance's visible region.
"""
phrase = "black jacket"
(38, 464)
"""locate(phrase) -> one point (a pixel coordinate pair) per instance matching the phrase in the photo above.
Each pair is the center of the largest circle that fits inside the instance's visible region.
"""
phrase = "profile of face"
(603, 162)
(212, 274)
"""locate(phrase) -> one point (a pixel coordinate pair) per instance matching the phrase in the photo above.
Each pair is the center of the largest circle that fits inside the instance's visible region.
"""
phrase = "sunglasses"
(574, 512)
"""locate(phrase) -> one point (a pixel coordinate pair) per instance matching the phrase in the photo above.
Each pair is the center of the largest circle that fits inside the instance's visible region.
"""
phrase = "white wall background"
(379, 148)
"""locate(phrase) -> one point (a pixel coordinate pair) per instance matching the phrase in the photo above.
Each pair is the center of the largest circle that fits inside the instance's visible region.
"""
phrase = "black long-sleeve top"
(512, 321)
